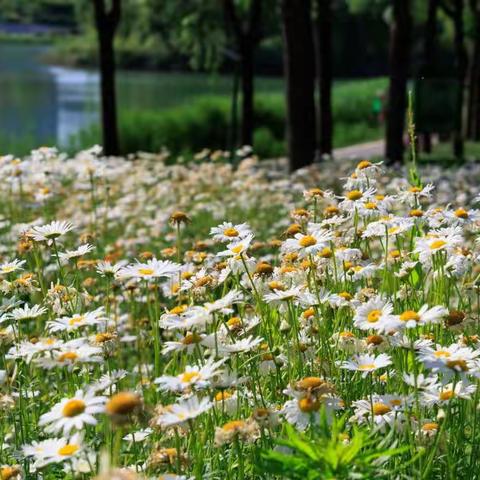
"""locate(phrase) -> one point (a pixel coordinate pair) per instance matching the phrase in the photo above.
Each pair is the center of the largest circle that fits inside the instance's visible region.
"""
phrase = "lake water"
(44, 105)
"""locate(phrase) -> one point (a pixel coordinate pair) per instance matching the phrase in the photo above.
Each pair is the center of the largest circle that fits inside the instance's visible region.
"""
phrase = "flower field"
(205, 321)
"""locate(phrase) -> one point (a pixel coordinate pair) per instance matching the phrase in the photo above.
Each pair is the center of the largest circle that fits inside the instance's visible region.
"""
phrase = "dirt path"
(361, 150)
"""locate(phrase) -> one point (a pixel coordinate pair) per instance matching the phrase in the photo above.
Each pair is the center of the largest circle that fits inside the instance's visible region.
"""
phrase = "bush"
(206, 121)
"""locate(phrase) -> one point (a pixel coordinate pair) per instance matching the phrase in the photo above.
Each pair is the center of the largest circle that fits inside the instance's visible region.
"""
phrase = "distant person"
(378, 107)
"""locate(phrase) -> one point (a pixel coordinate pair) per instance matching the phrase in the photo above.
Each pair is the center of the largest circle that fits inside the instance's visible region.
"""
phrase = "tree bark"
(428, 69)
(462, 63)
(473, 129)
(323, 37)
(247, 36)
(106, 25)
(300, 81)
(399, 59)
(247, 84)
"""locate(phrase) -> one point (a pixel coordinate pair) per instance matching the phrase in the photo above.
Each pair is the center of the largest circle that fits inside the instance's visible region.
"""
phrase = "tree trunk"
(428, 69)
(246, 35)
(474, 78)
(247, 72)
(300, 77)
(323, 37)
(400, 33)
(106, 24)
(462, 62)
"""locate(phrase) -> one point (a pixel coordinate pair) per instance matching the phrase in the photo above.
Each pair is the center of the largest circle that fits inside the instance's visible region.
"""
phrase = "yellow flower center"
(6, 473)
(76, 320)
(415, 189)
(416, 212)
(393, 230)
(461, 213)
(374, 340)
(187, 377)
(68, 356)
(145, 271)
(458, 365)
(326, 252)
(409, 315)
(234, 322)
(68, 449)
(234, 425)
(123, 403)
(73, 408)
(370, 206)
(274, 285)
(430, 427)
(237, 249)
(309, 312)
(380, 409)
(307, 241)
(308, 405)
(447, 395)
(309, 383)
(222, 396)
(178, 310)
(436, 244)
(374, 316)
(315, 192)
(354, 195)
(441, 354)
(191, 338)
(364, 164)
(366, 366)
(230, 232)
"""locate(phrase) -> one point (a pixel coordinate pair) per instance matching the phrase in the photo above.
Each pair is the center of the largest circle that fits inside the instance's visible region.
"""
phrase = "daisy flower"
(237, 248)
(383, 410)
(183, 411)
(13, 266)
(56, 450)
(376, 314)
(441, 394)
(75, 322)
(240, 346)
(48, 233)
(454, 359)
(412, 194)
(79, 252)
(193, 377)
(151, 270)
(366, 363)
(73, 413)
(228, 232)
(306, 245)
(424, 316)
(27, 313)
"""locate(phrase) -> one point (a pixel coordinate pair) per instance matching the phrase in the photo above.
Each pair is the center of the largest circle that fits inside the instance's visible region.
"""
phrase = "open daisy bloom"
(73, 413)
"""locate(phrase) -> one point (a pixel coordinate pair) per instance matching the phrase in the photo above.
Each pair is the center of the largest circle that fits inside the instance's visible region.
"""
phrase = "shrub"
(206, 120)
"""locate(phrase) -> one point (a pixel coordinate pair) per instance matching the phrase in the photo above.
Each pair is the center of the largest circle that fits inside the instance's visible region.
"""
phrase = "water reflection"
(46, 105)
(77, 101)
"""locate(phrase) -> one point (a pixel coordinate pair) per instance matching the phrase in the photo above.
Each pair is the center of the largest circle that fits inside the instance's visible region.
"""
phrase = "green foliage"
(330, 454)
(206, 121)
